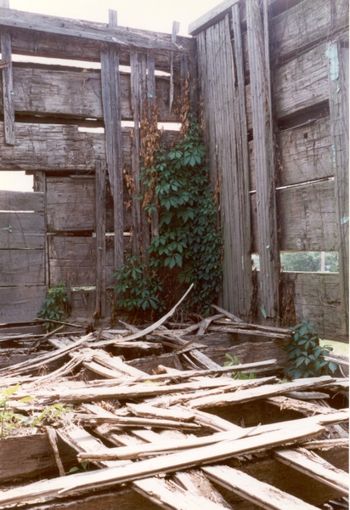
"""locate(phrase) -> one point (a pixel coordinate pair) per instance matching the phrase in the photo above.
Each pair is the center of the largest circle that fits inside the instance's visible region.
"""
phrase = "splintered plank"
(316, 467)
(260, 493)
(133, 391)
(21, 201)
(164, 492)
(267, 390)
(264, 157)
(85, 482)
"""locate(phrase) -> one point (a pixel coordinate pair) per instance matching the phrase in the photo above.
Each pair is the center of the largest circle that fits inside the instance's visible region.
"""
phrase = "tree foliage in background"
(187, 248)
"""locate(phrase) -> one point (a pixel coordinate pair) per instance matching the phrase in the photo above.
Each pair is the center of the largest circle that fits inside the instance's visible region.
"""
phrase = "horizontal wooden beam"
(89, 31)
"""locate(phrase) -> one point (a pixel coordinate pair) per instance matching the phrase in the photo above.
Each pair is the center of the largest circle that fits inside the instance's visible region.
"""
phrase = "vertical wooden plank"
(7, 87)
(241, 256)
(338, 56)
(135, 153)
(100, 198)
(264, 159)
(110, 79)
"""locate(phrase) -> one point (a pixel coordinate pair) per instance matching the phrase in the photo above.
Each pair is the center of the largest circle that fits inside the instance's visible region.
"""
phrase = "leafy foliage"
(11, 420)
(56, 306)
(306, 357)
(187, 248)
(137, 286)
(231, 361)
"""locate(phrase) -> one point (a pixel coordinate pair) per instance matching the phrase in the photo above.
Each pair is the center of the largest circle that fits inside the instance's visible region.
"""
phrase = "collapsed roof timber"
(202, 427)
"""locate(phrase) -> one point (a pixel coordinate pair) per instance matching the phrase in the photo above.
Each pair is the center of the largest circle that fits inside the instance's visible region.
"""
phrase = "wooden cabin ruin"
(174, 415)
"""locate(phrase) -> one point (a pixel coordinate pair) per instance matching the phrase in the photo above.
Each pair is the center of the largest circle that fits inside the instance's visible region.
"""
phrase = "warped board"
(77, 93)
(306, 218)
(58, 147)
(20, 304)
(305, 154)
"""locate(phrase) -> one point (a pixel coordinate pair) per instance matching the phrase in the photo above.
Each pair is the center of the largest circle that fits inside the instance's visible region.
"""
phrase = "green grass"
(339, 348)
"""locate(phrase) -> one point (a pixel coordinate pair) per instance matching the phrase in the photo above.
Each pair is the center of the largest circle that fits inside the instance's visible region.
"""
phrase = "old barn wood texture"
(308, 44)
(22, 255)
(52, 103)
(264, 157)
(338, 55)
(231, 173)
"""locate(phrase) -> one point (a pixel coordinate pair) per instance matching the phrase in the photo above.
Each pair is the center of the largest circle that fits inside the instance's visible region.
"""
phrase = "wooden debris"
(313, 465)
(84, 482)
(264, 391)
(259, 493)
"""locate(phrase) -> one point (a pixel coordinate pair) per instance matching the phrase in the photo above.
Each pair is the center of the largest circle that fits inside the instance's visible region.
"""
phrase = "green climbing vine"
(56, 306)
(306, 357)
(187, 246)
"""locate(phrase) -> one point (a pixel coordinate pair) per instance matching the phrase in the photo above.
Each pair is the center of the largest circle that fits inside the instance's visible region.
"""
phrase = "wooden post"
(241, 256)
(135, 153)
(338, 56)
(100, 228)
(259, 64)
(7, 83)
(112, 120)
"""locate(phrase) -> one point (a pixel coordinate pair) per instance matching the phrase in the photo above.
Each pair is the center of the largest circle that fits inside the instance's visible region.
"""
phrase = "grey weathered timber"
(264, 495)
(264, 160)
(72, 260)
(211, 17)
(70, 203)
(112, 119)
(223, 112)
(22, 230)
(317, 298)
(21, 201)
(85, 30)
(338, 55)
(76, 92)
(25, 42)
(59, 147)
(305, 24)
(51, 146)
(21, 303)
(241, 200)
(299, 84)
(7, 88)
(135, 153)
(305, 155)
(100, 239)
(22, 267)
(306, 217)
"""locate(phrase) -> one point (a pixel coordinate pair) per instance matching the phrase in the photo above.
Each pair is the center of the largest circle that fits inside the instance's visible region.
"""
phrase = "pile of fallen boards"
(158, 424)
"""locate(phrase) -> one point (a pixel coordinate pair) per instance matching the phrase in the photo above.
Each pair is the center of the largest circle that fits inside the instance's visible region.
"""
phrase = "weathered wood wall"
(22, 255)
(304, 47)
(48, 134)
